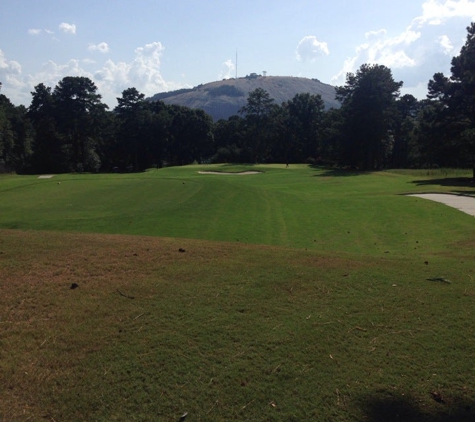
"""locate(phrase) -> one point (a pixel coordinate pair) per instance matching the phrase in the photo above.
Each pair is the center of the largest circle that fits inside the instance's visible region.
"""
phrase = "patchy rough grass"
(231, 332)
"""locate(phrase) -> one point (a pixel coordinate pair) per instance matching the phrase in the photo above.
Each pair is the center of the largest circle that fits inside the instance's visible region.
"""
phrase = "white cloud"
(383, 50)
(143, 73)
(51, 73)
(114, 76)
(9, 67)
(68, 28)
(388, 51)
(309, 49)
(34, 31)
(227, 70)
(145, 68)
(446, 44)
(10, 76)
(375, 34)
(37, 32)
(421, 50)
(419, 90)
(435, 12)
(101, 47)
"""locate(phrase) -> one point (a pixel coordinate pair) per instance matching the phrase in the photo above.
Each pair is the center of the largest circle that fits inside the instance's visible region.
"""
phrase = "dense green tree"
(16, 137)
(79, 115)
(456, 96)
(142, 131)
(23, 133)
(280, 138)
(6, 133)
(303, 125)
(130, 102)
(437, 137)
(190, 136)
(332, 144)
(48, 155)
(152, 133)
(156, 132)
(257, 113)
(407, 110)
(229, 140)
(368, 102)
(131, 113)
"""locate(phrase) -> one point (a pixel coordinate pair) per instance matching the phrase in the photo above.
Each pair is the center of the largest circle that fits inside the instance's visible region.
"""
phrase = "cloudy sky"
(157, 45)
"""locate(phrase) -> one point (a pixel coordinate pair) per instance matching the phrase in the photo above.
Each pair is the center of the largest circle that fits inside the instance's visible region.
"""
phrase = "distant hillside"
(223, 99)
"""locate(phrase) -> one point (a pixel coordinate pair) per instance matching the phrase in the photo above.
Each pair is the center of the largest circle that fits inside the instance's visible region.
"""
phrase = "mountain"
(223, 99)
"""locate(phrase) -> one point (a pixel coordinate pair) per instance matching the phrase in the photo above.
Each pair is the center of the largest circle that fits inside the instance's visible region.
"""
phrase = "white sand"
(242, 173)
(465, 204)
(46, 176)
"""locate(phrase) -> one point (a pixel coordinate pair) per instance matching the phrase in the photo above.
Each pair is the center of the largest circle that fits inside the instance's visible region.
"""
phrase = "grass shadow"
(237, 164)
(408, 409)
(337, 172)
(457, 182)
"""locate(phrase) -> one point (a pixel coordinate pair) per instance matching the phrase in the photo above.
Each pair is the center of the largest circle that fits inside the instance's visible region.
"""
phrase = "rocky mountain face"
(223, 99)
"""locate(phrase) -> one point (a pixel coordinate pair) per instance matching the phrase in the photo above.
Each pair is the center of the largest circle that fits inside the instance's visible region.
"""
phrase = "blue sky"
(158, 45)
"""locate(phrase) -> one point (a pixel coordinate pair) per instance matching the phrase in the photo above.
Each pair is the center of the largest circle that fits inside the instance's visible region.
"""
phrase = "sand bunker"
(46, 176)
(242, 173)
(465, 204)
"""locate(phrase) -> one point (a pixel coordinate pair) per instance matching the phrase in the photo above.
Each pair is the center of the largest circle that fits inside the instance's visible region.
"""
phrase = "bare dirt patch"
(463, 203)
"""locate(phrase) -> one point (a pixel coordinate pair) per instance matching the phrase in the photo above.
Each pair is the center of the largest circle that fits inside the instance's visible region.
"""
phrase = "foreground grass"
(323, 310)
(230, 332)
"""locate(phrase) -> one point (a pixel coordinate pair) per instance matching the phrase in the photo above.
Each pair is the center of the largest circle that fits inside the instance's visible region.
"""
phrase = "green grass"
(296, 207)
(302, 294)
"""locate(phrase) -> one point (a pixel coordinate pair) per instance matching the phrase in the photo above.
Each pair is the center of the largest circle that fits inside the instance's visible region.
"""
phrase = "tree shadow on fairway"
(337, 172)
(457, 182)
(407, 409)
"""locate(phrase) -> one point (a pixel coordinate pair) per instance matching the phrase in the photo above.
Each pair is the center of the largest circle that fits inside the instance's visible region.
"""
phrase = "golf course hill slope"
(223, 99)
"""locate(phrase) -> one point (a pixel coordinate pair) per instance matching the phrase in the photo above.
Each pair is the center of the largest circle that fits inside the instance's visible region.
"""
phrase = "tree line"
(69, 128)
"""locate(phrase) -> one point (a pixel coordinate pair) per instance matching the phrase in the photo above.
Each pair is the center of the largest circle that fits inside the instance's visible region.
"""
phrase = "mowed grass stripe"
(297, 207)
